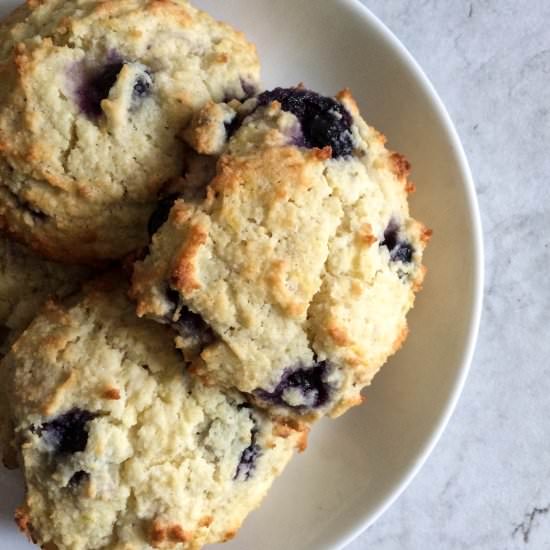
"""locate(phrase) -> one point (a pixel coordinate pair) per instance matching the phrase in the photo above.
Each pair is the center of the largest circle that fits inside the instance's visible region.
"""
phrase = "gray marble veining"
(487, 485)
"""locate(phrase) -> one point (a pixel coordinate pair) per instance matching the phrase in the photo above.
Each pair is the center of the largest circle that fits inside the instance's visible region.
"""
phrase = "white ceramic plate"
(356, 467)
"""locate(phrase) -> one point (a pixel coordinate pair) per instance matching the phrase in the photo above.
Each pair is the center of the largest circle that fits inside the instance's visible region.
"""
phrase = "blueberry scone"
(119, 446)
(292, 279)
(26, 282)
(93, 95)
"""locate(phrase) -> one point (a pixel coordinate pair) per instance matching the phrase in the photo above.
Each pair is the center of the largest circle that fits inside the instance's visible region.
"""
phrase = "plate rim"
(478, 267)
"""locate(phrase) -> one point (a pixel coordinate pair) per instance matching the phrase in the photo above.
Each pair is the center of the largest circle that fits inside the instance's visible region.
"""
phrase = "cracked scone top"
(93, 94)
(119, 447)
(292, 280)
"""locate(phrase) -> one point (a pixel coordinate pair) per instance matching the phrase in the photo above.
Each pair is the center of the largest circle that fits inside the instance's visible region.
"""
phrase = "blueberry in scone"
(323, 120)
(302, 262)
(93, 95)
(120, 447)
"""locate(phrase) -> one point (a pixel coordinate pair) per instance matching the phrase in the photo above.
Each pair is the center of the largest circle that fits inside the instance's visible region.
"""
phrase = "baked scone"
(93, 94)
(291, 281)
(26, 283)
(119, 446)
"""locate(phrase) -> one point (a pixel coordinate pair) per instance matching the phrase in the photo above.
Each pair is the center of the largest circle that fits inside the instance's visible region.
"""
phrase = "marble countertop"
(485, 486)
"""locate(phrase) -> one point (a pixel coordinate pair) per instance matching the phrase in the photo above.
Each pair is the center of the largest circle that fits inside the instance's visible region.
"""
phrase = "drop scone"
(291, 281)
(93, 94)
(119, 446)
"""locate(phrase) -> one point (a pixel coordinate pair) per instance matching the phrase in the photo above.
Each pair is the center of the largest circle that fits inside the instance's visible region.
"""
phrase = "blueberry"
(162, 211)
(96, 88)
(142, 86)
(324, 120)
(78, 478)
(190, 326)
(233, 126)
(249, 456)
(400, 250)
(310, 382)
(403, 253)
(68, 433)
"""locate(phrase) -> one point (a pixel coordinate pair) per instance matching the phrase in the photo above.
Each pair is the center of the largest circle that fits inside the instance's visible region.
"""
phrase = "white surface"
(356, 465)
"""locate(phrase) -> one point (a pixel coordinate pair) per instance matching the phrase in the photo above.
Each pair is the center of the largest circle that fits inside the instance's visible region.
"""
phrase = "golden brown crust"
(229, 535)
(339, 335)
(400, 340)
(165, 535)
(184, 276)
(365, 235)
(111, 393)
(206, 521)
(401, 167)
(23, 521)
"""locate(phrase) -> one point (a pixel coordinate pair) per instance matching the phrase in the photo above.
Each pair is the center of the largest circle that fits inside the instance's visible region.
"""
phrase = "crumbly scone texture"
(26, 283)
(301, 265)
(119, 446)
(93, 95)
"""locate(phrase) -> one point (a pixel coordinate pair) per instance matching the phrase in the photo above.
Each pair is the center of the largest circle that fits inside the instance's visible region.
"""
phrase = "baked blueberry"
(189, 325)
(301, 389)
(324, 120)
(192, 325)
(68, 433)
(96, 87)
(400, 250)
(250, 454)
(78, 478)
(142, 86)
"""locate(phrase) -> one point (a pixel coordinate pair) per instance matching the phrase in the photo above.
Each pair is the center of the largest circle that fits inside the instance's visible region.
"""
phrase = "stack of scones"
(193, 271)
